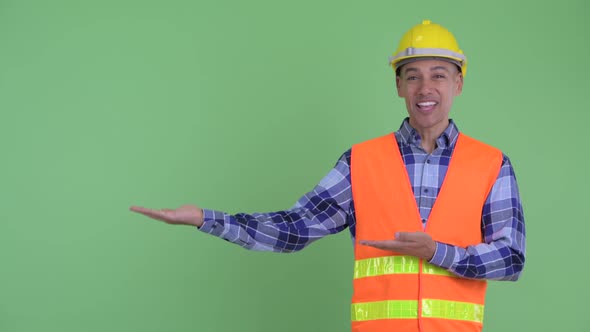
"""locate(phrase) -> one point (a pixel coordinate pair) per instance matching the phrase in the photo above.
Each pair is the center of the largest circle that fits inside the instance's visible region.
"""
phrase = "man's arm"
(502, 255)
(323, 211)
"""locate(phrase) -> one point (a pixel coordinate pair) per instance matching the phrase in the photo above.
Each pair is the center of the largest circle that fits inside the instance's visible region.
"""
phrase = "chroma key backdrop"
(243, 106)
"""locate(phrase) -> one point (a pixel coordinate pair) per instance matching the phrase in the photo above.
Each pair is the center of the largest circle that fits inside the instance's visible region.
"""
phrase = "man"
(433, 213)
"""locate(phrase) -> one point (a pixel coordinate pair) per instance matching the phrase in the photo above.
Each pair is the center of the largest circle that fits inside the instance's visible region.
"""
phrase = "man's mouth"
(426, 105)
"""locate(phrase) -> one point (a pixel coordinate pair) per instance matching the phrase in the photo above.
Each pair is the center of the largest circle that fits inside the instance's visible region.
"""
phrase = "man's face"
(429, 87)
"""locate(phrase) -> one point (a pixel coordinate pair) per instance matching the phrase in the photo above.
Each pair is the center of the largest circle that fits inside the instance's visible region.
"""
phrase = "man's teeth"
(427, 103)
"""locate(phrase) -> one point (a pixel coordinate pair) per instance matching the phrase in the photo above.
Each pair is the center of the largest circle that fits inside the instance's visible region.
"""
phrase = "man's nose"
(425, 87)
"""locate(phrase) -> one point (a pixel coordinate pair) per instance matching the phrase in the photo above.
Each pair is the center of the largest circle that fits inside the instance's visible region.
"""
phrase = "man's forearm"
(282, 231)
(495, 261)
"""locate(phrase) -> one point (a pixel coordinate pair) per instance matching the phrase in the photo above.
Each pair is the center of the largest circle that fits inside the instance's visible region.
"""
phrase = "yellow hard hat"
(428, 40)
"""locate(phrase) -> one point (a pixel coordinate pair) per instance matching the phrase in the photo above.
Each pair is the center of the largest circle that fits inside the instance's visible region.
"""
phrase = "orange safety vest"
(393, 292)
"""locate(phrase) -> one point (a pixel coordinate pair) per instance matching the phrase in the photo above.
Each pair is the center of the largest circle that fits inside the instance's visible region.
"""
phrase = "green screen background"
(243, 106)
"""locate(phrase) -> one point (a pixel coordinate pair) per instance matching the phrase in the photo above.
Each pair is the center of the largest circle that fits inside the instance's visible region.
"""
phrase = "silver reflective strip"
(412, 51)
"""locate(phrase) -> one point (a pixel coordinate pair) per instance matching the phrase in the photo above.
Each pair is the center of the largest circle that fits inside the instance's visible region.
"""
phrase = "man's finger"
(144, 211)
(403, 236)
(155, 214)
(386, 244)
(369, 242)
(136, 208)
(411, 236)
(141, 209)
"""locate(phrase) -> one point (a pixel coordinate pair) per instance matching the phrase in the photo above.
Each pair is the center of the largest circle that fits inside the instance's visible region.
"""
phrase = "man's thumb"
(402, 236)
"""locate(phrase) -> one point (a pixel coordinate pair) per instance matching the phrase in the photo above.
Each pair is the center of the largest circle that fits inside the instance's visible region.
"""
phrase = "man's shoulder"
(485, 147)
(477, 142)
(389, 137)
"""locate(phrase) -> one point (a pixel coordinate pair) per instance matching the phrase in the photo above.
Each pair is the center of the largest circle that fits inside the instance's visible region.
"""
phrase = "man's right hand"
(184, 215)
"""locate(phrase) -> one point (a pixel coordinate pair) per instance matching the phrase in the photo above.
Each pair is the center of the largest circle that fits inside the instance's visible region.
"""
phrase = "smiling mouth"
(426, 105)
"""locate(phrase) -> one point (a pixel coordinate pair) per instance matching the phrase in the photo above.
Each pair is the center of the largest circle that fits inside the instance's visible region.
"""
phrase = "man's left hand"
(418, 244)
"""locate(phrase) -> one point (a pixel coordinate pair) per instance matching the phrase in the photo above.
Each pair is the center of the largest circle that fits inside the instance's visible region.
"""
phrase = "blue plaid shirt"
(329, 209)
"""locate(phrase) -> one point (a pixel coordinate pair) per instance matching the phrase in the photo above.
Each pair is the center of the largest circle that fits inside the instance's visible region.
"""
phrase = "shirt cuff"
(444, 255)
(213, 222)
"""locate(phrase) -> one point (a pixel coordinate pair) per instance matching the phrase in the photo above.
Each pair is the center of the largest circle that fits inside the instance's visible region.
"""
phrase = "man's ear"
(459, 84)
(398, 85)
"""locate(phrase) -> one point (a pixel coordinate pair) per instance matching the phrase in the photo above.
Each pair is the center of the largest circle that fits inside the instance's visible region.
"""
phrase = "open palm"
(184, 215)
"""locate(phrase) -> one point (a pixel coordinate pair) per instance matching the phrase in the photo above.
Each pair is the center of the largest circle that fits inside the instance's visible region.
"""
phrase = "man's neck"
(428, 145)
(429, 135)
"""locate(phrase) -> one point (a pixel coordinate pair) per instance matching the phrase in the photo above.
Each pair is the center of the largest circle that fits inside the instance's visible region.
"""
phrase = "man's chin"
(421, 121)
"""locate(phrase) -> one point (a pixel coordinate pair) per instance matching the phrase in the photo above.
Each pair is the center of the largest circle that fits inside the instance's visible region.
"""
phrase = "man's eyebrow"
(407, 69)
(439, 67)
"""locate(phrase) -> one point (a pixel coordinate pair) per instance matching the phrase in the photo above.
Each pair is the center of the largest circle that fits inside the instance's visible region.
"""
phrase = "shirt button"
(425, 190)
(423, 220)
(428, 161)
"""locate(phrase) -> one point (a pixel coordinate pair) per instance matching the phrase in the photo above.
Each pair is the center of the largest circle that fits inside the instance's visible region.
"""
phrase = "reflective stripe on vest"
(408, 309)
(372, 267)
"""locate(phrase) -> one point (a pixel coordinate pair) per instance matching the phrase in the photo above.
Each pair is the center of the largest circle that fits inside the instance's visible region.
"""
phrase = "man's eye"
(439, 76)
(412, 78)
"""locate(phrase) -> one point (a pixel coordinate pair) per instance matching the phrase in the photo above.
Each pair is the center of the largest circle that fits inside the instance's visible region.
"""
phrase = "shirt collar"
(409, 135)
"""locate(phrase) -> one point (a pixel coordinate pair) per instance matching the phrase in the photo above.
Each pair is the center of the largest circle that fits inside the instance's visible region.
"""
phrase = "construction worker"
(433, 213)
